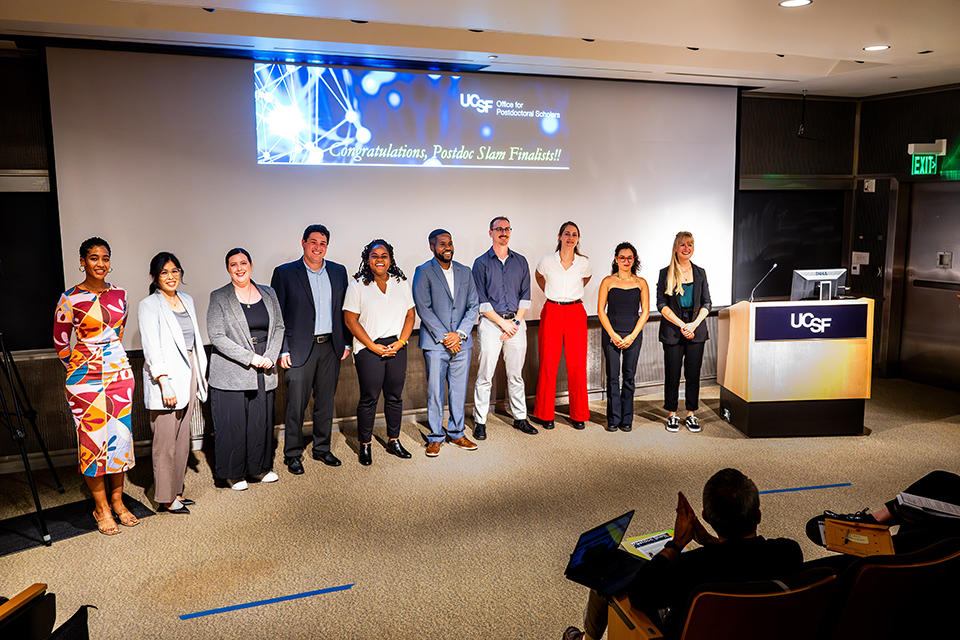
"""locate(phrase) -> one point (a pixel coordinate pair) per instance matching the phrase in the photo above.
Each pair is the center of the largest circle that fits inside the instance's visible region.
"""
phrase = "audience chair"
(29, 615)
(788, 609)
(900, 596)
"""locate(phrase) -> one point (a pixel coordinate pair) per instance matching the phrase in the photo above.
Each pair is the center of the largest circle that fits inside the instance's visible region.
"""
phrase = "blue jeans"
(446, 371)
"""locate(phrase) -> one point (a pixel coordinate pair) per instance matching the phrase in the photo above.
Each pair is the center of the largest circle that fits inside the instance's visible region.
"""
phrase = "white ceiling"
(749, 43)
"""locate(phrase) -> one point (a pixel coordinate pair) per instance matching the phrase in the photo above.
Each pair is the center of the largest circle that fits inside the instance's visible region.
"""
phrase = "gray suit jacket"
(232, 346)
(165, 352)
(440, 313)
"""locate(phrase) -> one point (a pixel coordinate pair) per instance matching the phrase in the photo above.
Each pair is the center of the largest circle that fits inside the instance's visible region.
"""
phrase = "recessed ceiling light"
(779, 55)
(925, 52)
(475, 30)
(589, 39)
(789, 4)
(877, 47)
(694, 48)
(359, 21)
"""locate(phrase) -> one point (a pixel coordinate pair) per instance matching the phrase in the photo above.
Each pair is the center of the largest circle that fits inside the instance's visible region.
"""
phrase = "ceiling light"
(877, 47)
(694, 48)
(475, 30)
(491, 57)
(925, 52)
(589, 39)
(789, 4)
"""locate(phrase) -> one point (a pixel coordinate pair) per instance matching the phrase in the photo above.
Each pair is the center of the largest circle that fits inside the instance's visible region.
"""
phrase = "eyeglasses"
(625, 258)
(502, 229)
(172, 272)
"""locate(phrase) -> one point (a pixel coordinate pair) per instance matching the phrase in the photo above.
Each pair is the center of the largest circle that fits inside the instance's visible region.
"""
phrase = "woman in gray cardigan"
(245, 327)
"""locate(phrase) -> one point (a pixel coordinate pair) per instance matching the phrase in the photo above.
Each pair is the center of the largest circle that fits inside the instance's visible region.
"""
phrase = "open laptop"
(598, 562)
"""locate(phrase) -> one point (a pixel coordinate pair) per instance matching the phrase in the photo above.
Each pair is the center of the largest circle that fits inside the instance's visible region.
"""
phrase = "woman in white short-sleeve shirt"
(563, 327)
(378, 310)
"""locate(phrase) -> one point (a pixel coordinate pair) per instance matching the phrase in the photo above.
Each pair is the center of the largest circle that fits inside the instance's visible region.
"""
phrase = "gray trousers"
(171, 445)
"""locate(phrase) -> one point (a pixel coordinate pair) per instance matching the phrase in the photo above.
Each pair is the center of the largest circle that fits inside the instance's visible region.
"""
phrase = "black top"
(258, 320)
(623, 308)
(660, 584)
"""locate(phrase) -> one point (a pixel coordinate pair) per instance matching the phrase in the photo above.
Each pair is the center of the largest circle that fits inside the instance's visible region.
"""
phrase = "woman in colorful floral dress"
(99, 382)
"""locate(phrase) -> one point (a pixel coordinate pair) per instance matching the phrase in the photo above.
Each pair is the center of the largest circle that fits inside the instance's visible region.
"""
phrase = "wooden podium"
(795, 368)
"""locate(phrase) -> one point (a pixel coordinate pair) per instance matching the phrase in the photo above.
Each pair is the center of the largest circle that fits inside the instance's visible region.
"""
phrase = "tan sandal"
(130, 521)
(106, 530)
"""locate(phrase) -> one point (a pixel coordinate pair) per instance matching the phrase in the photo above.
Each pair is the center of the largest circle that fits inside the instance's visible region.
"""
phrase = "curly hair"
(365, 273)
(90, 243)
(614, 267)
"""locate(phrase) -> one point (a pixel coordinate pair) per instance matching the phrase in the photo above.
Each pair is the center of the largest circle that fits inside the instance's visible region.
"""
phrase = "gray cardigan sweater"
(233, 352)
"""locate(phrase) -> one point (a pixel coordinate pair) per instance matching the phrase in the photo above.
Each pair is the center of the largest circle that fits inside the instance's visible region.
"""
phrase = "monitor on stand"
(818, 284)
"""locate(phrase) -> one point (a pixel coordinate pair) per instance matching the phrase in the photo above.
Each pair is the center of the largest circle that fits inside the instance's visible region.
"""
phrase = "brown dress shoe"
(463, 443)
(433, 449)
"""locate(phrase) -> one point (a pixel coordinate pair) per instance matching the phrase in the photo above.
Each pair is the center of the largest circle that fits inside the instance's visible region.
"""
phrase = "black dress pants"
(376, 374)
(688, 356)
(242, 431)
(318, 375)
(621, 368)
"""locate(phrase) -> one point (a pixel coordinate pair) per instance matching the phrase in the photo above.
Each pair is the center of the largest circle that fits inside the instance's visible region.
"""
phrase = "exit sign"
(923, 165)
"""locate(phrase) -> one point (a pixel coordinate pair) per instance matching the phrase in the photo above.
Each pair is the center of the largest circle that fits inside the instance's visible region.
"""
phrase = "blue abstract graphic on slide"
(359, 117)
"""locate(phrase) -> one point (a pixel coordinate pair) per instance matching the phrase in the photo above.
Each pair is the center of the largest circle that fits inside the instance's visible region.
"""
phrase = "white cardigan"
(165, 352)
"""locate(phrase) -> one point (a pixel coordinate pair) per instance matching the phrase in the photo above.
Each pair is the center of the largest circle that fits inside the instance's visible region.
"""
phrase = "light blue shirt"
(322, 296)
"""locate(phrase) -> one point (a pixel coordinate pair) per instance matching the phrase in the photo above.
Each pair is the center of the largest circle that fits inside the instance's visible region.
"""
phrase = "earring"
(111, 270)
(81, 268)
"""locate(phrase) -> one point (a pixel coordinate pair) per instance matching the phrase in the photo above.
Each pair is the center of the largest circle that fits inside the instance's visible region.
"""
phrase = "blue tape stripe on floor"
(259, 603)
(819, 486)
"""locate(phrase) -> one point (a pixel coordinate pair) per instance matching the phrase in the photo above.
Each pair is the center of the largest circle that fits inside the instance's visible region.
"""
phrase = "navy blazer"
(299, 315)
(440, 313)
(669, 332)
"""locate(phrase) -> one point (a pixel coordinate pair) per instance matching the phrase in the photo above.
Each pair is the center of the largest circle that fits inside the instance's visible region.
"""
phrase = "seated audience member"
(918, 528)
(731, 505)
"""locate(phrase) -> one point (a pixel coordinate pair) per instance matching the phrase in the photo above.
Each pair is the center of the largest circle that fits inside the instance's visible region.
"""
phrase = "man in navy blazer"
(447, 303)
(311, 291)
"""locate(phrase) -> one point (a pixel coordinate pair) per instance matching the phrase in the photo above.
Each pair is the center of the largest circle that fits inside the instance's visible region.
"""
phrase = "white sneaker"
(270, 477)
(239, 486)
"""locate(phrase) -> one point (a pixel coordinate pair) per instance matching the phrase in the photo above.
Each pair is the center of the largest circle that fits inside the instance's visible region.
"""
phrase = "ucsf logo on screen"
(809, 321)
(472, 100)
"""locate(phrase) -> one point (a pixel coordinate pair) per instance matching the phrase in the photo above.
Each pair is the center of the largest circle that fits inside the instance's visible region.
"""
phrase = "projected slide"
(326, 116)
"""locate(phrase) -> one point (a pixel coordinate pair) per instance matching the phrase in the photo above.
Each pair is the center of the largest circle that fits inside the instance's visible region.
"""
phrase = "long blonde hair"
(674, 275)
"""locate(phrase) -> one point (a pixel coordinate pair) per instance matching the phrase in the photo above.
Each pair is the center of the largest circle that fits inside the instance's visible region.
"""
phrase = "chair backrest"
(29, 615)
(909, 595)
(786, 610)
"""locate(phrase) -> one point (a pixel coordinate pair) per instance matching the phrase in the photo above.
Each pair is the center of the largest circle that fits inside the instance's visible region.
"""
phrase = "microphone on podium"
(762, 279)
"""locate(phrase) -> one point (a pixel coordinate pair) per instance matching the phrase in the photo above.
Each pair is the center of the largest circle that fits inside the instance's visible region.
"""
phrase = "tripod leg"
(20, 397)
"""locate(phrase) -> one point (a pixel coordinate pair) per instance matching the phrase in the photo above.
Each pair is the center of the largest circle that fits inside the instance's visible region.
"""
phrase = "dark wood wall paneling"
(770, 146)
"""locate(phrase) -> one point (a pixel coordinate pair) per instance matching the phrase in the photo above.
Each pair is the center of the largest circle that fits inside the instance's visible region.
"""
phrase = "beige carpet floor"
(468, 545)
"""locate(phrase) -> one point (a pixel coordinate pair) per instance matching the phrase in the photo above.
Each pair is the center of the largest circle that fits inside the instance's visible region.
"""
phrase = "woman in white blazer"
(173, 375)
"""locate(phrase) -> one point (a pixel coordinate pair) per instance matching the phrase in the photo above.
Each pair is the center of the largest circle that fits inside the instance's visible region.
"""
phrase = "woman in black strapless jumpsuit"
(623, 307)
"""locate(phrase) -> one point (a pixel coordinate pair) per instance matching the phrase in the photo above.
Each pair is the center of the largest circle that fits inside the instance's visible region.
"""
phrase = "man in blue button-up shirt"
(310, 291)
(502, 277)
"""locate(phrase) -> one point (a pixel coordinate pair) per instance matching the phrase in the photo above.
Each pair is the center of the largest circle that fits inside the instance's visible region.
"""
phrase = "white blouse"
(381, 314)
(564, 285)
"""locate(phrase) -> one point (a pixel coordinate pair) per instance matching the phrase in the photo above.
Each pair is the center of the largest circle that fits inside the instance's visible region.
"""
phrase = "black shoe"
(814, 531)
(611, 427)
(394, 447)
(525, 426)
(366, 457)
(546, 424)
(480, 431)
(294, 466)
(327, 458)
(578, 425)
(863, 516)
(626, 428)
(187, 502)
(182, 509)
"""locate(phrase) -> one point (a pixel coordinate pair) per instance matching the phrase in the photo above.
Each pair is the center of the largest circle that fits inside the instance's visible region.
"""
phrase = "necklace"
(624, 279)
(249, 295)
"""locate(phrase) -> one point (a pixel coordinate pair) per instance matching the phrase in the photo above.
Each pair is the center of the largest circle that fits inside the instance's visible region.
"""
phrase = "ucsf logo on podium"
(809, 321)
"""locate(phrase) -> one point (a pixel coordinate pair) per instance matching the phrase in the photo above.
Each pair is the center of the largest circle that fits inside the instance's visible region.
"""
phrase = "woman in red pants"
(563, 327)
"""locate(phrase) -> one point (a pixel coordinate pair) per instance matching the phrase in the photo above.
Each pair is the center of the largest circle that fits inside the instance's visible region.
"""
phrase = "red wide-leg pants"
(563, 330)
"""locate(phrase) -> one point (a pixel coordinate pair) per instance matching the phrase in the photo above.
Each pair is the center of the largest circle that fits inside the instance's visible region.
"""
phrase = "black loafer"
(546, 424)
(525, 427)
(578, 425)
(294, 466)
(187, 502)
(394, 447)
(365, 455)
(480, 431)
(327, 458)
(626, 428)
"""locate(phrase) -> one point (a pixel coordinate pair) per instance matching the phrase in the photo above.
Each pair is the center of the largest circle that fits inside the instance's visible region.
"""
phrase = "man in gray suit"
(447, 303)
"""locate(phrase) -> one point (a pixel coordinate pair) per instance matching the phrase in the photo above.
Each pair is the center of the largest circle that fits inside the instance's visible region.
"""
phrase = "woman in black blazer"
(683, 299)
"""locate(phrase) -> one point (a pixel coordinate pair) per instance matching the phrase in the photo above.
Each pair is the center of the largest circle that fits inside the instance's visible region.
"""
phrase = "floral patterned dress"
(99, 379)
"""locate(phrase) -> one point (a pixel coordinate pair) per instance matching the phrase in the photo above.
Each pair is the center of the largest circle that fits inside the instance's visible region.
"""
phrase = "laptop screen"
(600, 539)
